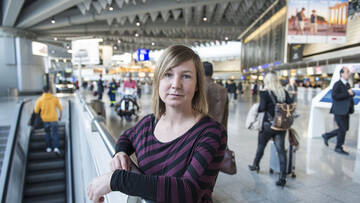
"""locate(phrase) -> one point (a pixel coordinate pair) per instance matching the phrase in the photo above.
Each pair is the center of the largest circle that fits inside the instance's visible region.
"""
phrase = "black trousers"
(100, 94)
(279, 141)
(343, 122)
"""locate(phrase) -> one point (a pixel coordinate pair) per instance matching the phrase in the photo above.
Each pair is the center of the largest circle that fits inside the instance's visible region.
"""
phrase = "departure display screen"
(327, 98)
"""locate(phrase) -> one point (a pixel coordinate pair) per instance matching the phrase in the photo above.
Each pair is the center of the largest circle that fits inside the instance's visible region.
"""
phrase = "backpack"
(254, 119)
(283, 115)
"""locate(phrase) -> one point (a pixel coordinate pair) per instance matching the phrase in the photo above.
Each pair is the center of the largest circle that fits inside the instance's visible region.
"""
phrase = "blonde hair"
(172, 57)
(271, 82)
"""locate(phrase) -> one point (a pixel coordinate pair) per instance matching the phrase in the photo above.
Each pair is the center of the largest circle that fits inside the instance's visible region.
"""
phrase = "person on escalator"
(47, 105)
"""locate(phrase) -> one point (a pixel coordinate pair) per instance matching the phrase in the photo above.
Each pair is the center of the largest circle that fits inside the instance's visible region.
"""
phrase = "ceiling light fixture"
(119, 41)
(55, 38)
(111, 8)
(138, 24)
(136, 35)
(115, 47)
(53, 20)
(226, 38)
(152, 43)
(205, 19)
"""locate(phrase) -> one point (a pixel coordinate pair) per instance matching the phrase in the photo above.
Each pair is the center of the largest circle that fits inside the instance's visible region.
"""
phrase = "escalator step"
(43, 132)
(4, 134)
(54, 198)
(45, 176)
(41, 145)
(44, 155)
(3, 140)
(42, 137)
(38, 166)
(38, 189)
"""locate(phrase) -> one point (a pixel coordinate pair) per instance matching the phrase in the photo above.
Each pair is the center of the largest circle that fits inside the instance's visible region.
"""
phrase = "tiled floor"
(322, 175)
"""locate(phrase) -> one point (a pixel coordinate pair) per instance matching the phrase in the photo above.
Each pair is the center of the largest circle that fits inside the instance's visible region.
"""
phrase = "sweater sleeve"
(262, 104)
(125, 142)
(190, 187)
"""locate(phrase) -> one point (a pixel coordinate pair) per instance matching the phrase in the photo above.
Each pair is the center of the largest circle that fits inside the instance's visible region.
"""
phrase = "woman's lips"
(176, 95)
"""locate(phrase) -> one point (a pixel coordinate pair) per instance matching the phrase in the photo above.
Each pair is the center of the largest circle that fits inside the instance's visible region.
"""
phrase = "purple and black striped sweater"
(183, 170)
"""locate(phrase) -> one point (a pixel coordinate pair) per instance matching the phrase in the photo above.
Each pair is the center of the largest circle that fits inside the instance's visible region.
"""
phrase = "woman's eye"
(168, 75)
(186, 76)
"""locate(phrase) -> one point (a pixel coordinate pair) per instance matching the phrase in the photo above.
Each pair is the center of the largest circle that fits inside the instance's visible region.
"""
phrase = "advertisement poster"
(317, 21)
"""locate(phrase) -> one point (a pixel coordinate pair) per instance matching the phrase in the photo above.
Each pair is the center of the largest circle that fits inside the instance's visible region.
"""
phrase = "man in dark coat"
(100, 88)
(342, 106)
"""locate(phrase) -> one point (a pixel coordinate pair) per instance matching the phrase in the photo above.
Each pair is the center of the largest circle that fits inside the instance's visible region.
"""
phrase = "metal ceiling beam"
(148, 7)
(11, 10)
(132, 38)
(41, 10)
(171, 24)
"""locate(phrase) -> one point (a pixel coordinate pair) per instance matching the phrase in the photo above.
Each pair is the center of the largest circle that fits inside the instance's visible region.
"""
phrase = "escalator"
(29, 173)
(45, 179)
(4, 133)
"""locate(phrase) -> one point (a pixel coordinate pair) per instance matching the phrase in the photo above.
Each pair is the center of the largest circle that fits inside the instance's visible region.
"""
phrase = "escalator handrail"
(69, 166)
(101, 128)
(9, 150)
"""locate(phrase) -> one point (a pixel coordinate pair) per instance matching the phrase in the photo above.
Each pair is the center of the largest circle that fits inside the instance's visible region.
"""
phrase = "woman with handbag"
(179, 147)
(273, 90)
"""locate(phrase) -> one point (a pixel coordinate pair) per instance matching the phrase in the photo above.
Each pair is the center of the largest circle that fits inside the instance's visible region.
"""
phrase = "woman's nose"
(176, 82)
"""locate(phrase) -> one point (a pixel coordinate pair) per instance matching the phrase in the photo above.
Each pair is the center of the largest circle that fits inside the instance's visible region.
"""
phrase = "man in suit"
(342, 106)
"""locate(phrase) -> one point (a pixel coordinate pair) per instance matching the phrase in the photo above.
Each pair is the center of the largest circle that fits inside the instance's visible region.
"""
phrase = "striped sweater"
(182, 170)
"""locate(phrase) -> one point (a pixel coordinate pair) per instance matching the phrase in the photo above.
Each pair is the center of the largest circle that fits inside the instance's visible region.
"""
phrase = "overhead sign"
(39, 49)
(296, 52)
(317, 21)
(85, 51)
(143, 54)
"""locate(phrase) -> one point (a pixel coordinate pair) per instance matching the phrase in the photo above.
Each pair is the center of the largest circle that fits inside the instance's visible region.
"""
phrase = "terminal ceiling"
(131, 24)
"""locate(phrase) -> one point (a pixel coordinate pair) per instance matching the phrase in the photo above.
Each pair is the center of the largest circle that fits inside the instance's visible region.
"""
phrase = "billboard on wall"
(317, 21)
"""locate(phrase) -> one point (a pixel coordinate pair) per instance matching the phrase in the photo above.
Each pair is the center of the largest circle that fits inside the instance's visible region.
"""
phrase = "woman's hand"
(99, 187)
(120, 161)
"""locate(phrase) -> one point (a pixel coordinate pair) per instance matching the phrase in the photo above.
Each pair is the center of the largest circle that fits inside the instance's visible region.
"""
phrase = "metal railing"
(68, 156)
(98, 124)
(9, 151)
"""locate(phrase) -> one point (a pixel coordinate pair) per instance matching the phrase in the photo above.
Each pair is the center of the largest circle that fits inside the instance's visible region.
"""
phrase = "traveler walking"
(342, 106)
(274, 89)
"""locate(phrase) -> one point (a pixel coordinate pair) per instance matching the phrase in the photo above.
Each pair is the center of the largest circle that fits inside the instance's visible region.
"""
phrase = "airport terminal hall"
(179, 101)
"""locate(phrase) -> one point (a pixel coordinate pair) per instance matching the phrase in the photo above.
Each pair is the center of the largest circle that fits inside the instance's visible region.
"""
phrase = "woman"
(272, 86)
(179, 148)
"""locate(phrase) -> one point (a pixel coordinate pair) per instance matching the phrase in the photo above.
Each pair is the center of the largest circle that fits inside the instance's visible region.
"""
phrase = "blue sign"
(143, 54)
(328, 99)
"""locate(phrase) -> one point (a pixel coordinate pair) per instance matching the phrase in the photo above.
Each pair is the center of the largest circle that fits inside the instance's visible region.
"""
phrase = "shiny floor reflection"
(322, 174)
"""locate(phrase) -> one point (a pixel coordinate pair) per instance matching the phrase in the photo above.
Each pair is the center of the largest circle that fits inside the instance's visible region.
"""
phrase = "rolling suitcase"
(274, 160)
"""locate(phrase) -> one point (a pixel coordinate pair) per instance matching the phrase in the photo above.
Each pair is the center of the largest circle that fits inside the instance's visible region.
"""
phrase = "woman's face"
(178, 85)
